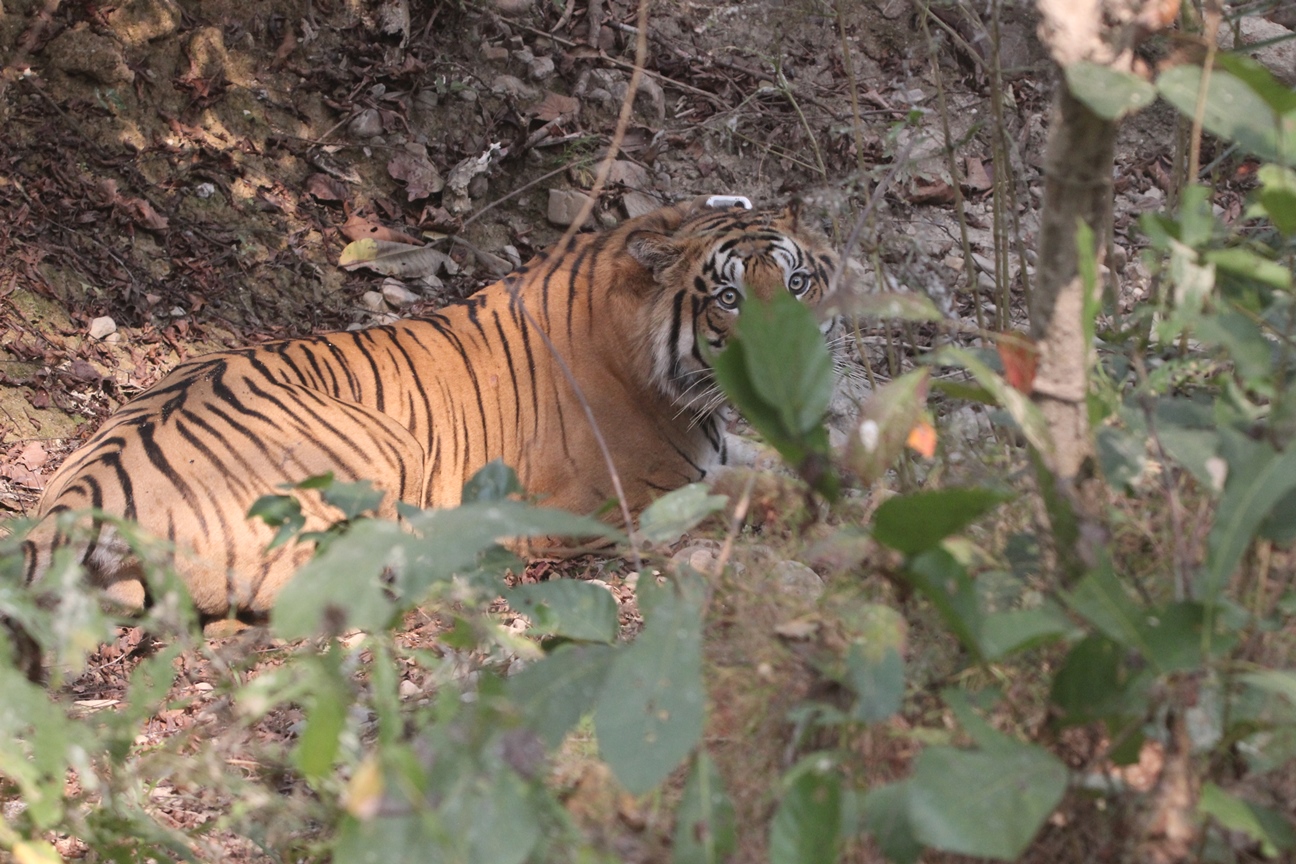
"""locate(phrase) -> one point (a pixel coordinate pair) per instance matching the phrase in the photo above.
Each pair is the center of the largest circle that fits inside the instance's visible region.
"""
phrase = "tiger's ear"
(654, 250)
(791, 216)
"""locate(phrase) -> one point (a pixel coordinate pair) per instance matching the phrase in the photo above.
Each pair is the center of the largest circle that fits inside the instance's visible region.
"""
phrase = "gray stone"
(510, 85)
(798, 580)
(564, 206)
(1279, 58)
(366, 124)
(541, 68)
(395, 293)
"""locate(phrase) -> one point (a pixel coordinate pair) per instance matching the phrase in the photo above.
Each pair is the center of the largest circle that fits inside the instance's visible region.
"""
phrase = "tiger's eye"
(728, 298)
(798, 283)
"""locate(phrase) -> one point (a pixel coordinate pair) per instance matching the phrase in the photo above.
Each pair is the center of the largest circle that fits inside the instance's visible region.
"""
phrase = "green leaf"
(1255, 484)
(1279, 681)
(1015, 791)
(1121, 454)
(343, 586)
(1247, 264)
(279, 511)
(879, 683)
(886, 813)
(1278, 196)
(555, 692)
(787, 360)
(1172, 636)
(1025, 413)
(705, 830)
(1090, 683)
(353, 498)
(1265, 826)
(1233, 111)
(650, 712)
(730, 369)
(1280, 98)
(677, 511)
(1103, 601)
(1003, 633)
(919, 521)
(1109, 93)
(1187, 430)
(945, 582)
(494, 481)
(501, 822)
(318, 746)
(805, 826)
(568, 608)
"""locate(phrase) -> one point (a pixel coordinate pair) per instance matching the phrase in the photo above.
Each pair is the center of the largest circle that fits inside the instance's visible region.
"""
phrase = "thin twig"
(600, 180)
(516, 192)
(1213, 16)
(878, 191)
(735, 525)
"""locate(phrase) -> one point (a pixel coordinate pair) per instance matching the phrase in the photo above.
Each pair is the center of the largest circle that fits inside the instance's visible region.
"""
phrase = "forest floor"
(178, 176)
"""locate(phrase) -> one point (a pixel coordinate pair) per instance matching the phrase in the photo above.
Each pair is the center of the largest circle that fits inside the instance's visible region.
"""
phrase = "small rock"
(701, 556)
(366, 124)
(373, 301)
(564, 206)
(509, 85)
(629, 174)
(637, 204)
(513, 7)
(541, 68)
(409, 689)
(1279, 52)
(205, 190)
(395, 293)
(494, 52)
(102, 327)
(1118, 258)
(514, 257)
(798, 580)
(430, 284)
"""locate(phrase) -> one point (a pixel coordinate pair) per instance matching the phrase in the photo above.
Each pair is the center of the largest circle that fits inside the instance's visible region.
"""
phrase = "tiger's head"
(705, 269)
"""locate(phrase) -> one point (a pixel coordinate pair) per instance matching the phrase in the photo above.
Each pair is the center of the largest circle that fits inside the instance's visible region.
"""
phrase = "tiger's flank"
(418, 406)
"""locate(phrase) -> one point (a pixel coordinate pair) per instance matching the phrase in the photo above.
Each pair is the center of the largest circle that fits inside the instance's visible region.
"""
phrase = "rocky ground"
(177, 176)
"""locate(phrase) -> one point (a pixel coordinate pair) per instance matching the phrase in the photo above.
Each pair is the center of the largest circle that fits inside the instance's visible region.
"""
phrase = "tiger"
(418, 406)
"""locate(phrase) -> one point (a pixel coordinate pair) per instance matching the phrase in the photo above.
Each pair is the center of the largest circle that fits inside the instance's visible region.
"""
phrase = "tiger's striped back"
(419, 406)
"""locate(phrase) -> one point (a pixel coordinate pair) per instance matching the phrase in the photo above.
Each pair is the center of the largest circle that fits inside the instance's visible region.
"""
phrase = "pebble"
(541, 68)
(798, 580)
(395, 293)
(373, 301)
(102, 327)
(366, 124)
(564, 206)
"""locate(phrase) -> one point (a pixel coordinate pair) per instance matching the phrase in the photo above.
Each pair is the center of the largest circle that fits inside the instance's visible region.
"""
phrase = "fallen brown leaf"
(325, 188)
(358, 228)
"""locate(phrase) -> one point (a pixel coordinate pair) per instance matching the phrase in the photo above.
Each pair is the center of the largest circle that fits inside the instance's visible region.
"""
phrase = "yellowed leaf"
(35, 852)
(364, 792)
(402, 260)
